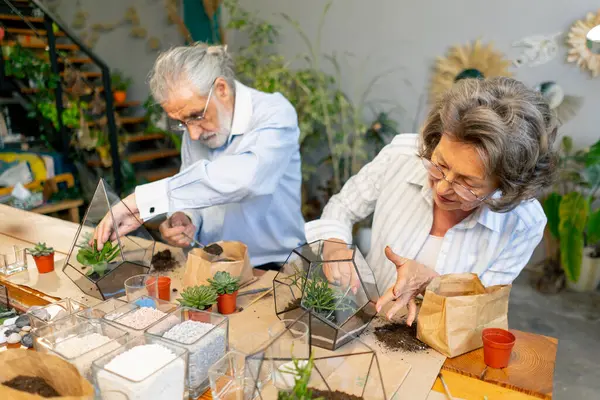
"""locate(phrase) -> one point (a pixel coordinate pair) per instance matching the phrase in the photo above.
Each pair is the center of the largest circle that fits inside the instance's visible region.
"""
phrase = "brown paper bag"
(59, 374)
(200, 267)
(456, 308)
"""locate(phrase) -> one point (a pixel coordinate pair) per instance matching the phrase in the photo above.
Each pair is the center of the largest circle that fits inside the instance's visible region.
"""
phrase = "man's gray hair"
(197, 65)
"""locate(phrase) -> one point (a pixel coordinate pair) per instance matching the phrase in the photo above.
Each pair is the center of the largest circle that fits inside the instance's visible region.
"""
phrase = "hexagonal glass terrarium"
(349, 373)
(334, 281)
(102, 273)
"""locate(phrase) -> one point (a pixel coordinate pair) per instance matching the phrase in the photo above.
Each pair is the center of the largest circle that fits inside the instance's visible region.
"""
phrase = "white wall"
(410, 34)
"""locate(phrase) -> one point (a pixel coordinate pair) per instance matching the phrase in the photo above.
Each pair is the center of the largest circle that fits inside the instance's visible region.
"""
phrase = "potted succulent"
(43, 256)
(201, 297)
(96, 261)
(227, 288)
(120, 84)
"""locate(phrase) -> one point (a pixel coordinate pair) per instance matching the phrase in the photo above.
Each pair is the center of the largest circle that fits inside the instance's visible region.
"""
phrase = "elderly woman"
(459, 197)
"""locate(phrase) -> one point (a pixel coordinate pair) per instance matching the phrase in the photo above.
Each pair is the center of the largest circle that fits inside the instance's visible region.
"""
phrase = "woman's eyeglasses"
(464, 192)
(182, 126)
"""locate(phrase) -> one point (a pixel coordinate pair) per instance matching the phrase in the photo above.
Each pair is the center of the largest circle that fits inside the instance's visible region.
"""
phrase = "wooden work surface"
(531, 368)
(529, 375)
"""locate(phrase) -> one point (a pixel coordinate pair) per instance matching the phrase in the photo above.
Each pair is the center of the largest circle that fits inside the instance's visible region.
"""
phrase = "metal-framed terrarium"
(334, 281)
(101, 273)
(295, 372)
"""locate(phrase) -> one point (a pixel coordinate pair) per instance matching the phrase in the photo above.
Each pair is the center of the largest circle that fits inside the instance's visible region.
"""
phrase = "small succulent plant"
(224, 283)
(198, 297)
(41, 250)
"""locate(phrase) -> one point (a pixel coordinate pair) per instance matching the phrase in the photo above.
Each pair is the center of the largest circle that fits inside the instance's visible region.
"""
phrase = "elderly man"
(240, 176)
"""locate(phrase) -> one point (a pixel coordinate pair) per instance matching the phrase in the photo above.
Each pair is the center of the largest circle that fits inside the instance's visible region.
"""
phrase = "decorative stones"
(27, 340)
(14, 338)
(22, 320)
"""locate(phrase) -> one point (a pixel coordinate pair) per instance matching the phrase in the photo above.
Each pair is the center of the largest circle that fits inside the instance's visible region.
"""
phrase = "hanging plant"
(469, 61)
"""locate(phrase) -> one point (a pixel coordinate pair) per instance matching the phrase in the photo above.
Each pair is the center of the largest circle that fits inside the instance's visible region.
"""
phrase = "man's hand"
(126, 217)
(178, 230)
(412, 280)
(339, 273)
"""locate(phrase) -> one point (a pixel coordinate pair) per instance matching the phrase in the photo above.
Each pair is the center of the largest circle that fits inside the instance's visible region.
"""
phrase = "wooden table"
(529, 375)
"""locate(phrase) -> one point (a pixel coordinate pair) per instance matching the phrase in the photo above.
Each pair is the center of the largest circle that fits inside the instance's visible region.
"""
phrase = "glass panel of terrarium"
(311, 251)
(288, 284)
(366, 275)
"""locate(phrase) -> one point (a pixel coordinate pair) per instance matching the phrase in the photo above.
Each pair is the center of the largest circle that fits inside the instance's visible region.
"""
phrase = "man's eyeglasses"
(182, 126)
(464, 192)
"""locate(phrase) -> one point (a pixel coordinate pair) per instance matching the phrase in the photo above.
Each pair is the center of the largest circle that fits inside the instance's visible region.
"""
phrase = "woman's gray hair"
(197, 65)
(510, 125)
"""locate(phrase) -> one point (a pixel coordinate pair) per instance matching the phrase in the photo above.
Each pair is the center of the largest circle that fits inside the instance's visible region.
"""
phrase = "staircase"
(29, 24)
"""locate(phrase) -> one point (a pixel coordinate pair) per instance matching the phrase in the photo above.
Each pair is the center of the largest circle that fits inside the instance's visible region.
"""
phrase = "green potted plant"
(227, 288)
(201, 297)
(573, 230)
(120, 84)
(96, 261)
(43, 256)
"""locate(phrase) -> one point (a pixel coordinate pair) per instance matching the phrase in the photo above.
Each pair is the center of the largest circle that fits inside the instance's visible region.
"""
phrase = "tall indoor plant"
(573, 232)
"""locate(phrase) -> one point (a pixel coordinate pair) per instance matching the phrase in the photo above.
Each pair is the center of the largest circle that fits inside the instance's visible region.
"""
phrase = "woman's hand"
(339, 273)
(125, 215)
(412, 280)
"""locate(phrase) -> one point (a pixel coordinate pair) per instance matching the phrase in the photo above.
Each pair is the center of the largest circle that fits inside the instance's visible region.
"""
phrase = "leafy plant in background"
(326, 116)
(154, 116)
(572, 219)
(199, 297)
(118, 81)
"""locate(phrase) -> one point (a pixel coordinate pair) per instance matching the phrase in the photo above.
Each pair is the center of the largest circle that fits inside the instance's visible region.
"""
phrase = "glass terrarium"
(206, 337)
(101, 273)
(349, 373)
(334, 281)
(40, 317)
(101, 309)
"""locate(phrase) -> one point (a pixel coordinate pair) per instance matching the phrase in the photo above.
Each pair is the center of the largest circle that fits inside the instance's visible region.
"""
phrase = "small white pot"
(590, 274)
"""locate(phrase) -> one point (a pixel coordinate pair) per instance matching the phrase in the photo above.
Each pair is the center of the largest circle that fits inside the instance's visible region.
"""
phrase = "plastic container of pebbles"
(203, 334)
(136, 317)
(100, 310)
(47, 315)
(83, 343)
(145, 368)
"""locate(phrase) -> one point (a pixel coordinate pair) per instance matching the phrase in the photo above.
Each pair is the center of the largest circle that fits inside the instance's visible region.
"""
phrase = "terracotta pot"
(44, 264)
(200, 317)
(120, 96)
(227, 303)
(497, 346)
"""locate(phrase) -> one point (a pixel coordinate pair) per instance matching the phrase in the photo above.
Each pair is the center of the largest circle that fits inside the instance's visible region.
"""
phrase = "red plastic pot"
(227, 303)
(163, 285)
(44, 264)
(497, 346)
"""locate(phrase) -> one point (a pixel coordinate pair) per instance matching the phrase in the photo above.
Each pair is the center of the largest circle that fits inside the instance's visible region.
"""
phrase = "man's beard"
(214, 140)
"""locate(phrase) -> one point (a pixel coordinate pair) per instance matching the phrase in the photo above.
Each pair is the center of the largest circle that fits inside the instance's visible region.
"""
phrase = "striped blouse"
(395, 187)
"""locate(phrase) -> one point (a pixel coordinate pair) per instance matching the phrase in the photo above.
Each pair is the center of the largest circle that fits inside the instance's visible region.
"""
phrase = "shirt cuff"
(152, 199)
(322, 229)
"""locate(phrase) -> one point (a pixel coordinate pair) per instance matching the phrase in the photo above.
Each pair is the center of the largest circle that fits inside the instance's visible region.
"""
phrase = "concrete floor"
(574, 319)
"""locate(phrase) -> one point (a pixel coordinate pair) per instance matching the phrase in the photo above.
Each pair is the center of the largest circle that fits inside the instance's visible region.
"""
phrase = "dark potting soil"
(32, 384)
(399, 336)
(292, 305)
(163, 261)
(214, 249)
(333, 395)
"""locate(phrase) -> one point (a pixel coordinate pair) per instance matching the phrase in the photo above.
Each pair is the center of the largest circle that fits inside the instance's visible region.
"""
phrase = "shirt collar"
(483, 215)
(242, 109)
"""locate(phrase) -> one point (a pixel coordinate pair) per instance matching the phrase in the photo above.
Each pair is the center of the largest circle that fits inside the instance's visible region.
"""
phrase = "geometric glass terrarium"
(332, 280)
(349, 373)
(102, 273)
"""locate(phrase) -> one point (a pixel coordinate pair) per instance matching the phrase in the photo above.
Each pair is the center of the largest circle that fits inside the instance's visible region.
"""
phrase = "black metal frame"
(49, 20)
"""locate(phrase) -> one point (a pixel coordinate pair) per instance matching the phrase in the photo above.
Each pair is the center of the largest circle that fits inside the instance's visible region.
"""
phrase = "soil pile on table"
(164, 261)
(32, 384)
(336, 395)
(399, 336)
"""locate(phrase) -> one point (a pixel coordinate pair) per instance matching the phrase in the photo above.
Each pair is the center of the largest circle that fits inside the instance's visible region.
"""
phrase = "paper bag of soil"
(456, 308)
(59, 374)
(202, 265)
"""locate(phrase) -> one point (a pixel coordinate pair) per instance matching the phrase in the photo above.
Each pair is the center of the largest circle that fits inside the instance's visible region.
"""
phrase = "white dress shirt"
(249, 189)
(395, 186)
